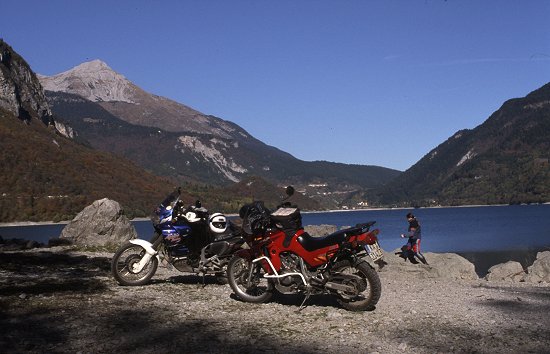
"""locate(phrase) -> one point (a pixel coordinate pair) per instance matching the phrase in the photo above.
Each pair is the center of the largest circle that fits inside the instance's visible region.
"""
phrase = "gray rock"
(509, 271)
(102, 223)
(448, 266)
(539, 272)
(320, 230)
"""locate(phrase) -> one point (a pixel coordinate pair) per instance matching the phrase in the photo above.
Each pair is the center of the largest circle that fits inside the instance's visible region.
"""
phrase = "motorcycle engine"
(182, 264)
(290, 263)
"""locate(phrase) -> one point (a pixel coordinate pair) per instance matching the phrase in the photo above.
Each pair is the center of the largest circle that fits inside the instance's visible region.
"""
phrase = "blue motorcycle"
(188, 238)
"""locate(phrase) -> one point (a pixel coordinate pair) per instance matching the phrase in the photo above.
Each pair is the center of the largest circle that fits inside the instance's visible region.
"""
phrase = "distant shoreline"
(40, 223)
(45, 223)
(32, 223)
(415, 208)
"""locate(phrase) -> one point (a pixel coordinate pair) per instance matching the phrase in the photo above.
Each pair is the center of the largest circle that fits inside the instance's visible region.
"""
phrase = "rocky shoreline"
(60, 300)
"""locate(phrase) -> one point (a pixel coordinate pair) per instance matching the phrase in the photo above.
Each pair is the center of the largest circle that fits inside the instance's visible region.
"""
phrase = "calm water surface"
(464, 229)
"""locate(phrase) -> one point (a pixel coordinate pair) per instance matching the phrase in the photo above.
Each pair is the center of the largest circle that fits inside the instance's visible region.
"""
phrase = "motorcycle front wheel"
(122, 266)
(366, 291)
(247, 281)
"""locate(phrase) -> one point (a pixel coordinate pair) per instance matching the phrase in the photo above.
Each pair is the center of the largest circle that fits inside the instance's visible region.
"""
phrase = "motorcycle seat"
(312, 243)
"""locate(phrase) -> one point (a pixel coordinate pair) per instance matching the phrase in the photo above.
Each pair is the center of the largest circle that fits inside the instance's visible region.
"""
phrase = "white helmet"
(217, 223)
(192, 216)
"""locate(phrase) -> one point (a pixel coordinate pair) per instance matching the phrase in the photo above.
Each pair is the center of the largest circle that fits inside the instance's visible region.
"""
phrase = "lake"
(485, 235)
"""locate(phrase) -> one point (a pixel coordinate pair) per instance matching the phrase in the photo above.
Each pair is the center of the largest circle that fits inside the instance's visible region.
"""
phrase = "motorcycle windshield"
(171, 199)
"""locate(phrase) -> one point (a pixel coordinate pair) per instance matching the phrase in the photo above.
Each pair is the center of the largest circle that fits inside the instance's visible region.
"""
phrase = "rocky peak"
(93, 80)
(97, 82)
(20, 89)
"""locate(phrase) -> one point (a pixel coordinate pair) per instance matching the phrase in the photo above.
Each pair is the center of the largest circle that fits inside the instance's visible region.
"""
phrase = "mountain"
(97, 82)
(167, 138)
(505, 160)
(67, 147)
(20, 91)
(47, 175)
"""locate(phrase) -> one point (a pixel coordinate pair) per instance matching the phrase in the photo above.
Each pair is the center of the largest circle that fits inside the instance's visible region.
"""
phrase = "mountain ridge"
(504, 160)
(218, 152)
(97, 82)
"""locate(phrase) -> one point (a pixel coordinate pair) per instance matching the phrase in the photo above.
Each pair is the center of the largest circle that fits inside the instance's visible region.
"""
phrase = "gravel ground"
(56, 300)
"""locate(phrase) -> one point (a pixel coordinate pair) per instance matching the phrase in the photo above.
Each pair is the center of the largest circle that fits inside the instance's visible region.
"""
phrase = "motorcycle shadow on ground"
(297, 301)
(192, 279)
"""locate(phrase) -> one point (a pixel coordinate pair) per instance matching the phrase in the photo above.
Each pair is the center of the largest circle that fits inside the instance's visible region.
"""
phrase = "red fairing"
(370, 237)
(313, 259)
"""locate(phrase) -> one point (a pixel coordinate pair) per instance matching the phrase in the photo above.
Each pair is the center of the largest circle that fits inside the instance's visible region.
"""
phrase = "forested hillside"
(46, 176)
(505, 160)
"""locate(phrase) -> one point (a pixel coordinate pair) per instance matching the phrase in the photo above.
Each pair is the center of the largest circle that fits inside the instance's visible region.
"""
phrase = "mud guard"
(147, 246)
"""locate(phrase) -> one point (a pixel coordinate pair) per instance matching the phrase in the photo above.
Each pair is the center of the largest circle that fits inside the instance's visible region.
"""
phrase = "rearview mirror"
(289, 190)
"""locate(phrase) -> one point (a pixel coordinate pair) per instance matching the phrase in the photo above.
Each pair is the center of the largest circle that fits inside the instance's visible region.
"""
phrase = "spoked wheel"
(124, 262)
(247, 281)
(364, 283)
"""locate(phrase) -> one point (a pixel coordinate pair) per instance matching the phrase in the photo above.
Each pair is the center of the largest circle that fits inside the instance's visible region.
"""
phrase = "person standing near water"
(415, 236)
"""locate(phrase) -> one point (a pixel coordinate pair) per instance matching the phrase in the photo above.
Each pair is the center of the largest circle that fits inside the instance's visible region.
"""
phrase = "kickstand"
(302, 306)
(203, 280)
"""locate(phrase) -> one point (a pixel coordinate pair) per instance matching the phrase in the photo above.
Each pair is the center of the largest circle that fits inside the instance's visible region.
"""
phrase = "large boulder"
(102, 223)
(539, 272)
(509, 271)
(448, 266)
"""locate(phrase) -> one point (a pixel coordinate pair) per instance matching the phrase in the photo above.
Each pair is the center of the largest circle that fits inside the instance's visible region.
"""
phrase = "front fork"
(149, 253)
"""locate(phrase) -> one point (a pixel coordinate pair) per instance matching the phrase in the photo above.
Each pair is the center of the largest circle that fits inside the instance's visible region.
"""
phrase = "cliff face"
(20, 90)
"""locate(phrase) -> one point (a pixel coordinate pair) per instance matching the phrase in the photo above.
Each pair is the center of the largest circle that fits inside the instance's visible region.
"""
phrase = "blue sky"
(354, 81)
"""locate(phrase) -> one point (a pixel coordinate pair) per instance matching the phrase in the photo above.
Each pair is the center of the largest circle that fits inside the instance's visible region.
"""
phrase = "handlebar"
(366, 226)
(286, 205)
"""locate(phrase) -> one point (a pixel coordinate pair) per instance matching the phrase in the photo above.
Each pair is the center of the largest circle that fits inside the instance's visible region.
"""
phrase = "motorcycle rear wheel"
(368, 293)
(121, 266)
(247, 281)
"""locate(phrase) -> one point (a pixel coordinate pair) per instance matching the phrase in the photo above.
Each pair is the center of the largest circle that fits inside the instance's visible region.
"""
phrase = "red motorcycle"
(283, 257)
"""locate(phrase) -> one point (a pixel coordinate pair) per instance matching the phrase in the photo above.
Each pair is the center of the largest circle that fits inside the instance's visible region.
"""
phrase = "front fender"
(147, 246)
